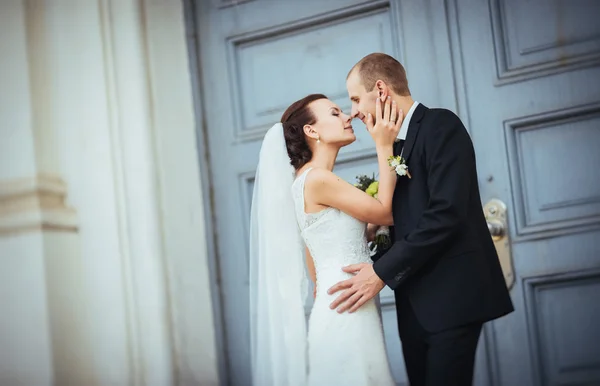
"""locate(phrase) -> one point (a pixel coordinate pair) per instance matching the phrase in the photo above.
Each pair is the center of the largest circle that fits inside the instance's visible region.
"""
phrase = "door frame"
(191, 12)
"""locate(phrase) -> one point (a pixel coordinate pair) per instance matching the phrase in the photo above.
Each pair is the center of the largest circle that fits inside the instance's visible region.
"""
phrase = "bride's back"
(333, 238)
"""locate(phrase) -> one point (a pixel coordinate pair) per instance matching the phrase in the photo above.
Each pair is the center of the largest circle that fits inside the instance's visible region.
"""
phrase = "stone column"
(42, 331)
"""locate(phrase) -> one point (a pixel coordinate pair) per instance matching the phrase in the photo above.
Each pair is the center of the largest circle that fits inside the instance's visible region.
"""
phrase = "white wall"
(25, 349)
(102, 240)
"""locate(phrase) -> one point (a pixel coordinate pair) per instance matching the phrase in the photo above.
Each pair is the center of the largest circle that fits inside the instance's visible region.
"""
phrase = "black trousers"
(446, 358)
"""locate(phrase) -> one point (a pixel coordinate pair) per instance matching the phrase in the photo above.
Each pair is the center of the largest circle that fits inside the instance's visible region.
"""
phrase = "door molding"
(191, 13)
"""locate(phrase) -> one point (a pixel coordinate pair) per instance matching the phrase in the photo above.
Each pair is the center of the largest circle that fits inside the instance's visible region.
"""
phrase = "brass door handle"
(495, 215)
(496, 229)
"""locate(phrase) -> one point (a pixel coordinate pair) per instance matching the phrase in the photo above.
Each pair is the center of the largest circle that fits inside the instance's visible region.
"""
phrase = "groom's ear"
(383, 90)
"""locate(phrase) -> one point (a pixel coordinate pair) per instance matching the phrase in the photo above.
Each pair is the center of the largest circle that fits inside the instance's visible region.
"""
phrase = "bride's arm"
(329, 190)
(372, 231)
(325, 188)
(310, 265)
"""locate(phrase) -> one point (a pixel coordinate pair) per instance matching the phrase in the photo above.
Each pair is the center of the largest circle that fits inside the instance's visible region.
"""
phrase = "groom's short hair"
(377, 66)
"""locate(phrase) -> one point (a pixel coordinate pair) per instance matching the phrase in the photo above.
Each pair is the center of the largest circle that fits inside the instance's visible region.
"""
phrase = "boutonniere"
(398, 164)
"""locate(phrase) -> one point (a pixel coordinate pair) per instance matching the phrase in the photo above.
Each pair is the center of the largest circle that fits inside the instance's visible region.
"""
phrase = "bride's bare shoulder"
(319, 178)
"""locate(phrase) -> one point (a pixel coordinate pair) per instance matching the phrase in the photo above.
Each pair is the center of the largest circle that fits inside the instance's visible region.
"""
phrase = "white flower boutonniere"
(398, 164)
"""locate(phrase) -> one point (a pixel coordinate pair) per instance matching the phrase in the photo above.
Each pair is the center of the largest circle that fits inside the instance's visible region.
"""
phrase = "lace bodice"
(334, 238)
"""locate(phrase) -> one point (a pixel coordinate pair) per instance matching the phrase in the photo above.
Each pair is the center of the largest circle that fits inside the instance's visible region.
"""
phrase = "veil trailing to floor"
(278, 280)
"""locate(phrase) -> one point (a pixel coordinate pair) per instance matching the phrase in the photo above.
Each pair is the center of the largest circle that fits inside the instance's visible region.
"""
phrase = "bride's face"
(332, 126)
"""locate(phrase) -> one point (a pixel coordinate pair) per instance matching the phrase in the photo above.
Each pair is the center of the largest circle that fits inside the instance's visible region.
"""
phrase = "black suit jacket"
(443, 257)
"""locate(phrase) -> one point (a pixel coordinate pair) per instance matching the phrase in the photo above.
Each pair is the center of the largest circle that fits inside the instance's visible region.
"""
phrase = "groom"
(443, 266)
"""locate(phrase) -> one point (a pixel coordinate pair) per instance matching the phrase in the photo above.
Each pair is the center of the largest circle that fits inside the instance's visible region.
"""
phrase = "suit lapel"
(397, 147)
(413, 129)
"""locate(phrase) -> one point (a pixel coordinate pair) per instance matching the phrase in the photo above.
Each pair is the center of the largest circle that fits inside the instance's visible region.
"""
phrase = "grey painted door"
(523, 87)
(528, 86)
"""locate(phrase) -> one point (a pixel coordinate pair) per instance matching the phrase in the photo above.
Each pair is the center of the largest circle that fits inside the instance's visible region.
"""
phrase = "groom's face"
(363, 101)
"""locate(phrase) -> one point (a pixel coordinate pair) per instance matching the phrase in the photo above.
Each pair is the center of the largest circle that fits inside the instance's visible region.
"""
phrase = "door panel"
(537, 38)
(532, 92)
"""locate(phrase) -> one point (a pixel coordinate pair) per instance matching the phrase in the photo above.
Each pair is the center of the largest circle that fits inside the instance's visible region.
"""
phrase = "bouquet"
(382, 240)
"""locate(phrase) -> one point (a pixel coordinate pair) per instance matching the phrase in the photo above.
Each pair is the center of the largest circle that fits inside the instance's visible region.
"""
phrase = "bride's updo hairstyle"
(293, 121)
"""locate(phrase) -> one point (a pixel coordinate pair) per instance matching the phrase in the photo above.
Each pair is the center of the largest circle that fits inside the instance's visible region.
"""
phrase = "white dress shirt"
(404, 128)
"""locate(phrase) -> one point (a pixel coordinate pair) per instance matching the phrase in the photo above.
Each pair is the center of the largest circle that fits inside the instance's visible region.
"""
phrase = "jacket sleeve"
(450, 161)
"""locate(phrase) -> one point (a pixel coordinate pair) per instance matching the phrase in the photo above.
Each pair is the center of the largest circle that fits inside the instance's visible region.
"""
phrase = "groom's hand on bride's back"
(361, 288)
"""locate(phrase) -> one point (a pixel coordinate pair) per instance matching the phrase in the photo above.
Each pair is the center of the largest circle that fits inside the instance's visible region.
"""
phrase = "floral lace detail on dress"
(336, 239)
(304, 219)
(311, 218)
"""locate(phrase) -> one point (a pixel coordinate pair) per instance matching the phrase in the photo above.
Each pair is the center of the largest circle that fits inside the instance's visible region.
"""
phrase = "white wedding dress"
(343, 349)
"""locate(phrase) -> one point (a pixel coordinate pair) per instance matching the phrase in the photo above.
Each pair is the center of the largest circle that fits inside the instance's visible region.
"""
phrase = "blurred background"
(129, 137)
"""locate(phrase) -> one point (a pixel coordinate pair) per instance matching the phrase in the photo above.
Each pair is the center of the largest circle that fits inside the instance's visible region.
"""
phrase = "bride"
(300, 205)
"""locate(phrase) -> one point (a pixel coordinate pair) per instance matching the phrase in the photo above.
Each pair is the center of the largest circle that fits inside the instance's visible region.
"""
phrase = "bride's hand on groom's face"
(385, 126)
(361, 288)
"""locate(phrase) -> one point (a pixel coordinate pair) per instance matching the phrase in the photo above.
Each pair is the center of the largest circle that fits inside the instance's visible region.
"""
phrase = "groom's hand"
(364, 286)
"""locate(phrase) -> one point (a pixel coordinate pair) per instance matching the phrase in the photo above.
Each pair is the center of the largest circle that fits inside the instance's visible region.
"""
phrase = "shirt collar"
(406, 121)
